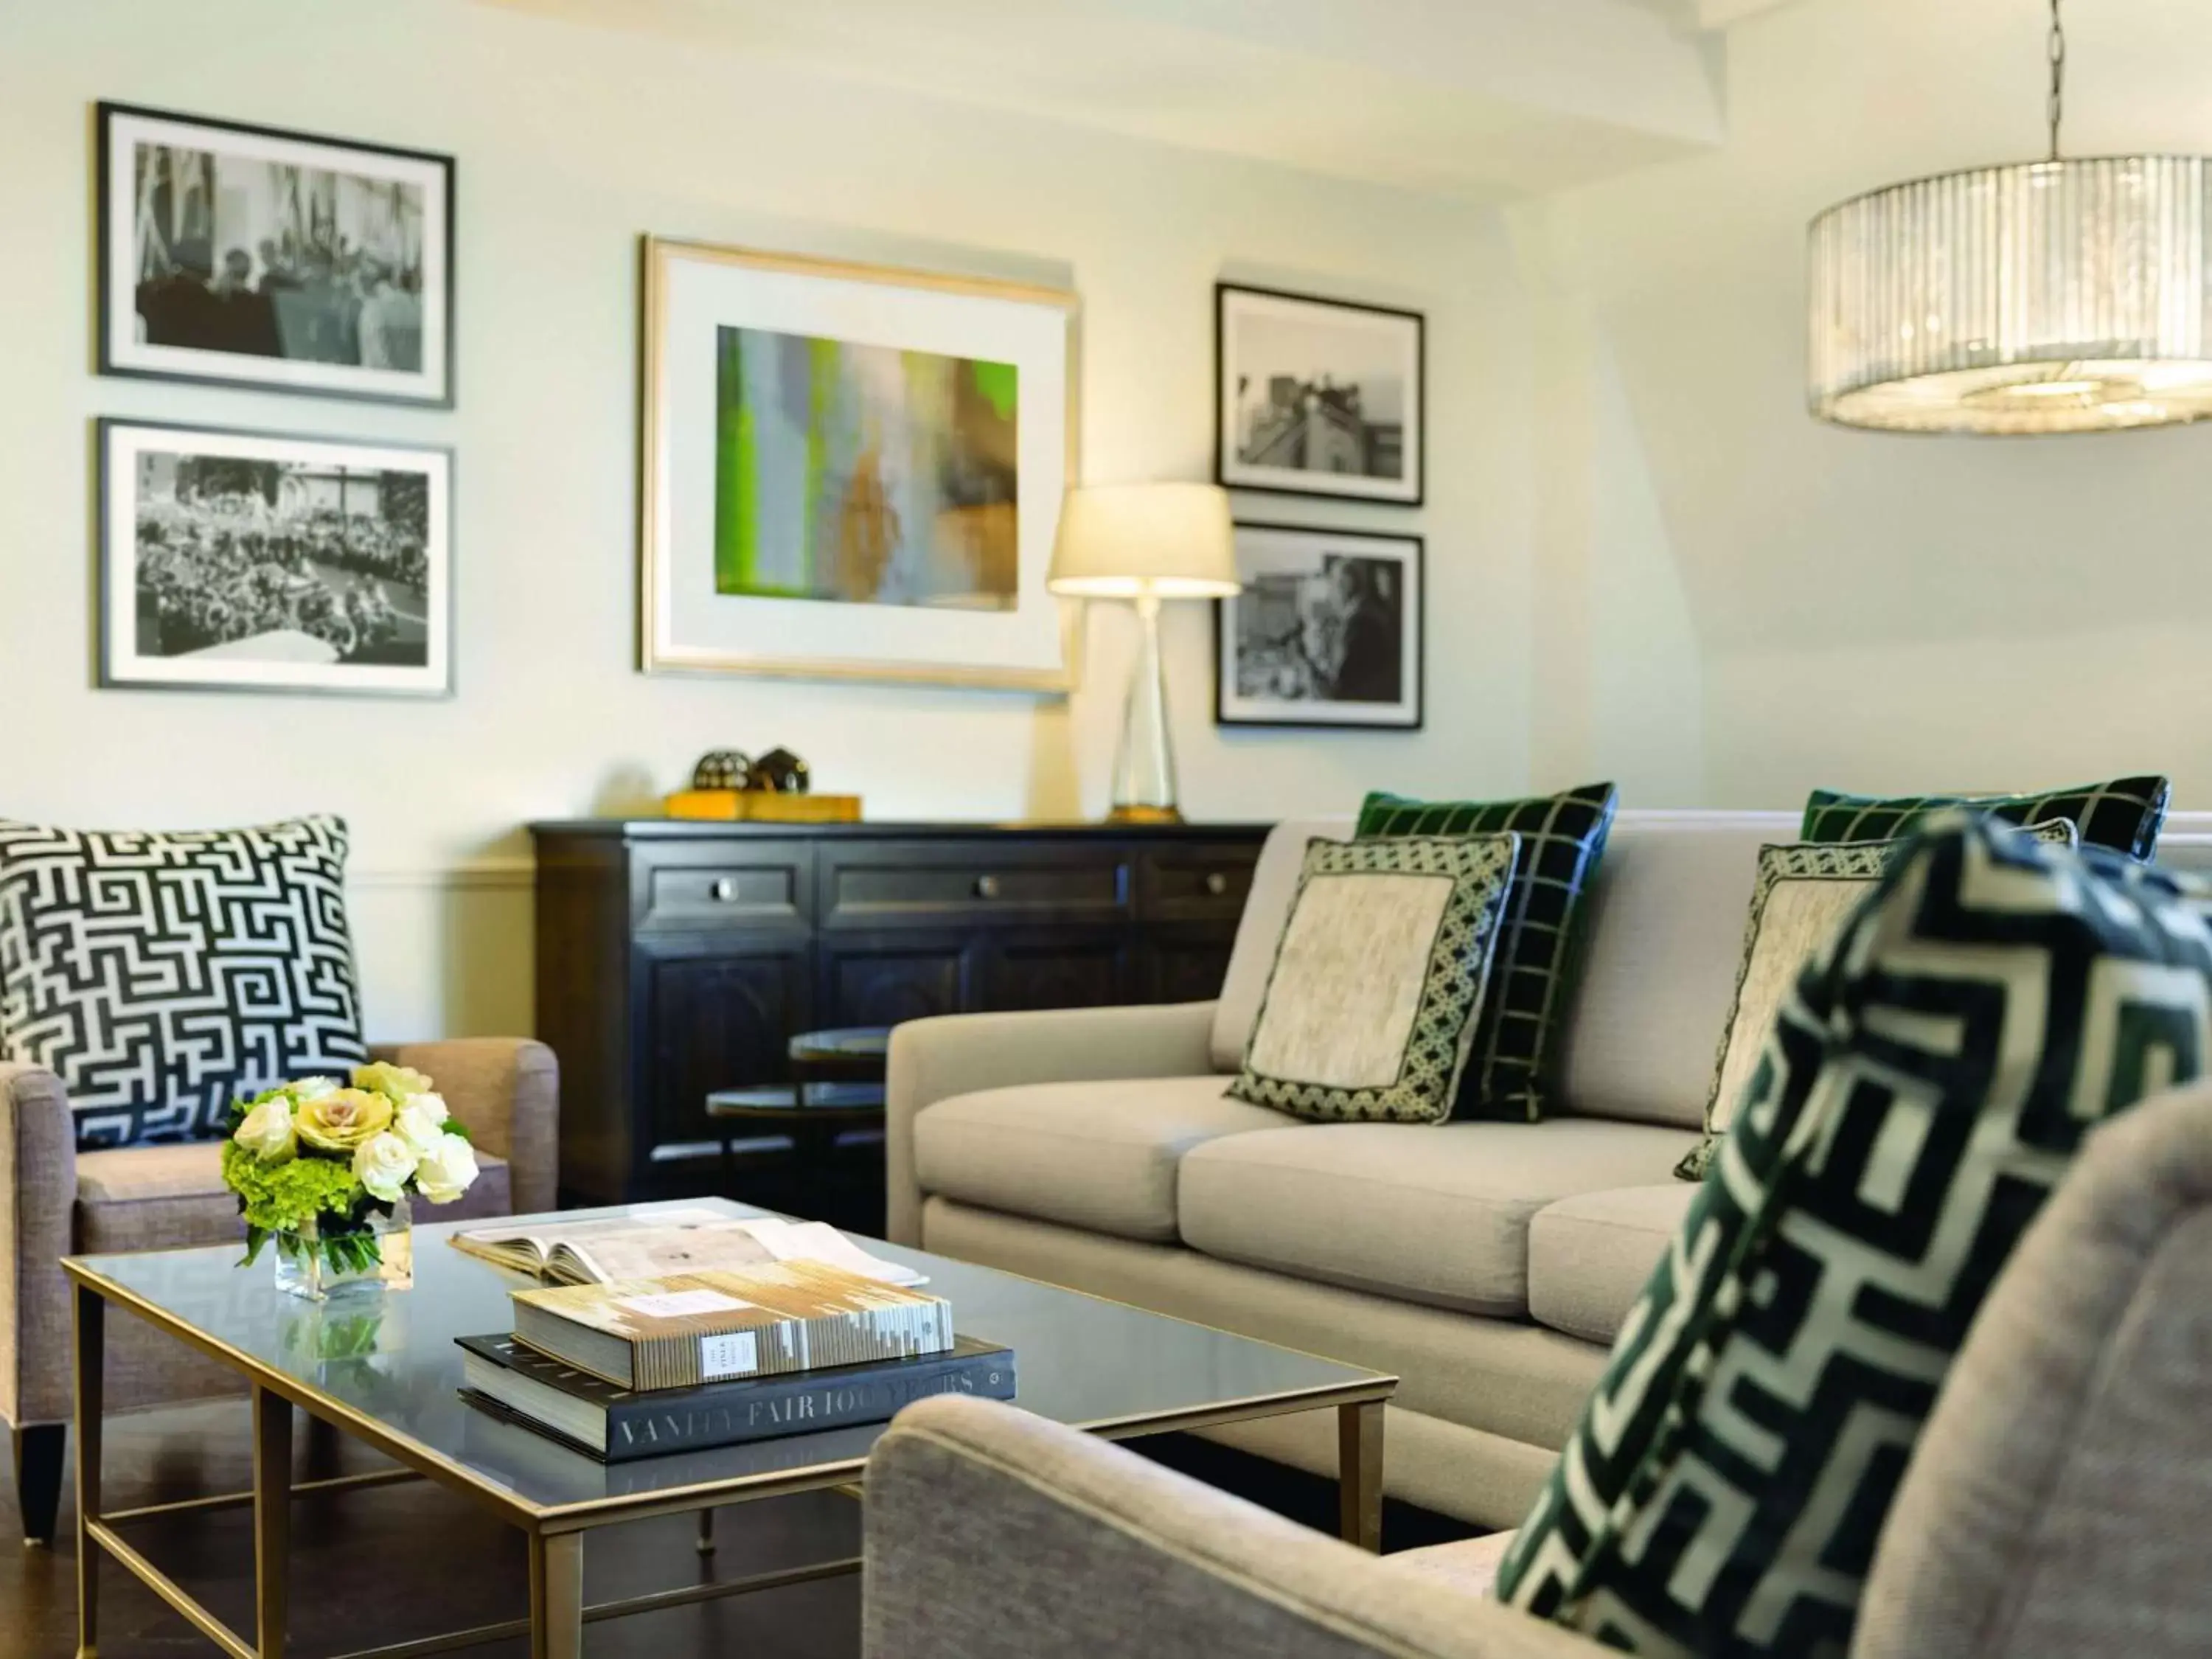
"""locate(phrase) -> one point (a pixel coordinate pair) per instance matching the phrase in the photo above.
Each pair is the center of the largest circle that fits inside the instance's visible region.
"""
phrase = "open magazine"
(654, 1243)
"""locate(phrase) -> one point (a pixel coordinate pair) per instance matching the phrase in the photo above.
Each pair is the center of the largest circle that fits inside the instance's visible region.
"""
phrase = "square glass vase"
(302, 1272)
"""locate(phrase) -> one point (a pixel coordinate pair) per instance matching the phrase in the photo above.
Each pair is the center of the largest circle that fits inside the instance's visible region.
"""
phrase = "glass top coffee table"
(383, 1368)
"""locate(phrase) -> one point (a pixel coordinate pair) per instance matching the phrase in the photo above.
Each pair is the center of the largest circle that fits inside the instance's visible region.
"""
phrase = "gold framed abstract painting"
(852, 471)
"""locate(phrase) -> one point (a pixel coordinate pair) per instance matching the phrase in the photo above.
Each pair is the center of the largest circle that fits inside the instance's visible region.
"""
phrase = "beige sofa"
(1487, 1265)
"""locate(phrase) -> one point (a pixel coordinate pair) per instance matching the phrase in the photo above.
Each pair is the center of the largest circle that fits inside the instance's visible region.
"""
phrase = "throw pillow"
(1802, 896)
(1518, 1035)
(2124, 815)
(1934, 1071)
(163, 975)
(1369, 1009)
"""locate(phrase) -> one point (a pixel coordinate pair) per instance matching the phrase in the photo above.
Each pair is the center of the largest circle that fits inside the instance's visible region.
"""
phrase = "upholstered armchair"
(2056, 1506)
(56, 1201)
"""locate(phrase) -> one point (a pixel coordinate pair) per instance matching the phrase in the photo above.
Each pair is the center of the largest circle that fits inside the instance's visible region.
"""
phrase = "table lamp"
(1144, 543)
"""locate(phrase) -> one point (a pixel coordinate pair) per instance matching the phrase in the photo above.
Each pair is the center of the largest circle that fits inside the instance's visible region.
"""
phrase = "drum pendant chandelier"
(2060, 295)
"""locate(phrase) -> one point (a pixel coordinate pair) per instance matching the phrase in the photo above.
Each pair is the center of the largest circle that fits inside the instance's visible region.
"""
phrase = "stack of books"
(691, 1361)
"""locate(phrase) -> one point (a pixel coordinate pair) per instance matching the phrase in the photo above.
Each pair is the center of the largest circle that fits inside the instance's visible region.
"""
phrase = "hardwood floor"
(410, 1560)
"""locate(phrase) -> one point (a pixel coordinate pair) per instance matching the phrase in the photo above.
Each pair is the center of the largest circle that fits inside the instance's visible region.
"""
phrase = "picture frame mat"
(692, 290)
(123, 127)
(120, 443)
(1295, 545)
(1408, 490)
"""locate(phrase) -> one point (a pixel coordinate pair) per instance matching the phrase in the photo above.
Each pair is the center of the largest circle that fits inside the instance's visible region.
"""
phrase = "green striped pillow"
(1511, 1073)
(2124, 815)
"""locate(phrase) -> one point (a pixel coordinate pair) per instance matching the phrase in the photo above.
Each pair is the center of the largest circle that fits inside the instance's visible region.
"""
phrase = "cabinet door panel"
(1184, 962)
(719, 1021)
(875, 980)
(1058, 968)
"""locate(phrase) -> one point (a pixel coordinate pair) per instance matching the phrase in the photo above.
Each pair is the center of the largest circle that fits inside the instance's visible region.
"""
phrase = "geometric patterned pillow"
(1369, 1007)
(2124, 815)
(163, 975)
(1514, 1068)
(1928, 1081)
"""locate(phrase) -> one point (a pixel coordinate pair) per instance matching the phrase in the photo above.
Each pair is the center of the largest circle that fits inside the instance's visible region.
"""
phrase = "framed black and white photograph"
(1328, 631)
(247, 561)
(240, 255)
(1317, 397)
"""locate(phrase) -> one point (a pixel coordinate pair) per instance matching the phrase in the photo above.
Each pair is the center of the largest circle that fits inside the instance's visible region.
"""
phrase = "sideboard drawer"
(1195, 883)
(896, 884)
(739, 889)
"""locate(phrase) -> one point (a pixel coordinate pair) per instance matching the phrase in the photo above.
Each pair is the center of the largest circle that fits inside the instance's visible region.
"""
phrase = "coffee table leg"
(1359, 1475)
(556, 1596)
(89, 1355)
(272, 1519)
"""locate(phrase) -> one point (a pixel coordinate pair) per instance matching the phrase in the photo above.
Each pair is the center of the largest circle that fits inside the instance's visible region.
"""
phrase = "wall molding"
(476, 875)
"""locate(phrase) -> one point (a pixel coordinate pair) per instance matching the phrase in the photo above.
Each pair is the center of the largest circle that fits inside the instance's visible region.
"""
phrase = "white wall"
(1866, 610)
(571, 141)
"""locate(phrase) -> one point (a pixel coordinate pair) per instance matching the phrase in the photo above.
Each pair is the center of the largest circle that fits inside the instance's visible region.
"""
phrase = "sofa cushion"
(172, 1197)
(1590, 1256)
(1438, 1215)
(1098, 1155)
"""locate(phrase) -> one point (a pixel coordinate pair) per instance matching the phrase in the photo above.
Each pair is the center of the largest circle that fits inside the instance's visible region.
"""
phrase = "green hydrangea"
(284, 1198)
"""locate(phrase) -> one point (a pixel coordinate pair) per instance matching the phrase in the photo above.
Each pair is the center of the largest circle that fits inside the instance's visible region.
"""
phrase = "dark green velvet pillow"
(2124, 815)
(1511, 1072)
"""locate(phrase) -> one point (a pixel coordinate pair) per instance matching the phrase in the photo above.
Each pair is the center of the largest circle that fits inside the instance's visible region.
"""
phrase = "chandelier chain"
(2057, 49)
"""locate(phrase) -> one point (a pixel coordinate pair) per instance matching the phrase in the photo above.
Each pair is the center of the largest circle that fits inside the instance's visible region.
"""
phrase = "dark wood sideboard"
(675, 958)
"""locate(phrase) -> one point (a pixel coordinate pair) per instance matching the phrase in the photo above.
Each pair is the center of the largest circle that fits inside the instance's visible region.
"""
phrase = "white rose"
(268, 1133)
(312, 1088)
(383, 1164)
(444, 1174)
(421, 1123)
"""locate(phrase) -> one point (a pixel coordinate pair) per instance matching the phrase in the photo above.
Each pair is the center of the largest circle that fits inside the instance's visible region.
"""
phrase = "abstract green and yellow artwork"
(864, 474)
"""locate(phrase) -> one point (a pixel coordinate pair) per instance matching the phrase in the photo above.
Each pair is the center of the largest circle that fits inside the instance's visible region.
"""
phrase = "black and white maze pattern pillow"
(162, 975)
(1929, 1079)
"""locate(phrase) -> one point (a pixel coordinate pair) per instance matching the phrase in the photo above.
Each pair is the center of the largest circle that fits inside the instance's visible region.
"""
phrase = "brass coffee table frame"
(558, 1612)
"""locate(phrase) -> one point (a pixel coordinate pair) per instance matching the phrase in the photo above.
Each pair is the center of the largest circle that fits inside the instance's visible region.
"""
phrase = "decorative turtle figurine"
(781, 771)
(722, 769)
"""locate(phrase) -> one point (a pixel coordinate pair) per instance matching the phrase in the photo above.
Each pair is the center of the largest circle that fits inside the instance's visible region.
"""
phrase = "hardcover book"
(689, 1328)
(615, 1425)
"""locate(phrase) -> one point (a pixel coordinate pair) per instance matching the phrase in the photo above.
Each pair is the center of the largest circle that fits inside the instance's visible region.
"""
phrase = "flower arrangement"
(316, 1164)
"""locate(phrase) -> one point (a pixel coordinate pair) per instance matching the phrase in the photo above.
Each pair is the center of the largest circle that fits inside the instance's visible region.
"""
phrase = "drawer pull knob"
(986, 887)
(1216, 883)
(724, 890)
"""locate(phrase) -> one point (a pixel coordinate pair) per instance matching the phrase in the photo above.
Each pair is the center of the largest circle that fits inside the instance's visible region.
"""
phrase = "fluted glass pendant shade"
(2050, 296)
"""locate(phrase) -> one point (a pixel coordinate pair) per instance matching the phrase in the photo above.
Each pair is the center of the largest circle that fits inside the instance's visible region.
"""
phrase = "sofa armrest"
(38, 1198)
(2059, 1498)
(507, 1091)
(995, 1534)
(934, 1059)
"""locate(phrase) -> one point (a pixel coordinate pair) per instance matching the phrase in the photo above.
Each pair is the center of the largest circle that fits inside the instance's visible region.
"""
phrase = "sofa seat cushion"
(1103, 1156)
(1469, 1565)
(170, 1197)
(1433, 1214)
(1590, 1256)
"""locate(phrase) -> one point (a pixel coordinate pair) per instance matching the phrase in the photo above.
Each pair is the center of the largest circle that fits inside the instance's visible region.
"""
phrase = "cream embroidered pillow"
(1803, 896)
(1370, 1010)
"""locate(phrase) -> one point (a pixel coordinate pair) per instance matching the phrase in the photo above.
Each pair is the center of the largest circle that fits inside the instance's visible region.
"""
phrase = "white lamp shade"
(1168, 541)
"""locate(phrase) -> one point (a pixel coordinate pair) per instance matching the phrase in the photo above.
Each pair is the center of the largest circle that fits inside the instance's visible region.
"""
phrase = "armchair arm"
(2057, 1500)
(995, 1534)
(507, 1091)
(934, 1059)
(38, 1198)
